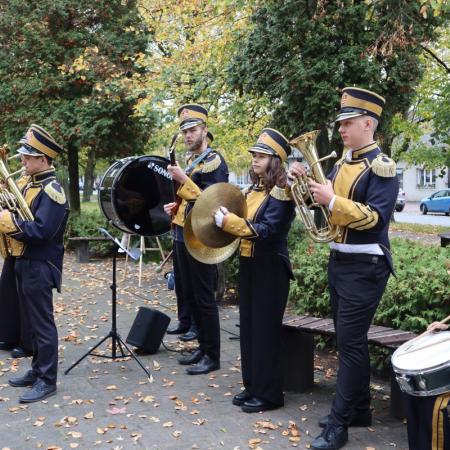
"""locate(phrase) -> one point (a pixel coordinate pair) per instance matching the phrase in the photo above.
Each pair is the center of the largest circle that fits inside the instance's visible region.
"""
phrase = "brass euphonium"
(302, 195)
(10, 196)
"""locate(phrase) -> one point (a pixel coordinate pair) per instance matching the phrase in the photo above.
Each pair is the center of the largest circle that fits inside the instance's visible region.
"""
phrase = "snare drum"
(133, 192)
(422, 365)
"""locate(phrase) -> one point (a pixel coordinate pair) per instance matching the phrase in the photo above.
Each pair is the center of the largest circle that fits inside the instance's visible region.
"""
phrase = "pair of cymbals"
(204, 240)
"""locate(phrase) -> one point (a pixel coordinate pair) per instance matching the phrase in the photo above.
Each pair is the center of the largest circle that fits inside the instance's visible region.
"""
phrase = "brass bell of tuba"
(302, 195)
(11, 197)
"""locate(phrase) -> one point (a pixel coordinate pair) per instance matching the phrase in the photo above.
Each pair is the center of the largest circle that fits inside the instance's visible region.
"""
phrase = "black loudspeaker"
(148, 329)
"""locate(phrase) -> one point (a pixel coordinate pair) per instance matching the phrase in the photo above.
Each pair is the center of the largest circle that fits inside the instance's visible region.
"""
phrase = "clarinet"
(173, 162)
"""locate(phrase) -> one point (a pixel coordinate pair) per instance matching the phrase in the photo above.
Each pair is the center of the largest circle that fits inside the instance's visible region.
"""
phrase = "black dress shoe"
(189, 336)
(205, 365)
(193, 358)
(255, 404)
(6, 346)
(242, 397)
(26, 380)
(332, 437)
(19, 352)
(360, 420)
(38, 392)
(177, 329)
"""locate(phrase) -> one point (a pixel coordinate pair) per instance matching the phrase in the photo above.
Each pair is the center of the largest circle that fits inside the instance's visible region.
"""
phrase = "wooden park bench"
(298, 352)
(81, 246)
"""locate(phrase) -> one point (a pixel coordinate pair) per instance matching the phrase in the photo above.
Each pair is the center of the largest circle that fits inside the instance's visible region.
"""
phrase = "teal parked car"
(437, 202)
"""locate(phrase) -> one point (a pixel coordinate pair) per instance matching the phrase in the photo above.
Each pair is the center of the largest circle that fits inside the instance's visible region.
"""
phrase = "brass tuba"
(11, 197)
(302, 195)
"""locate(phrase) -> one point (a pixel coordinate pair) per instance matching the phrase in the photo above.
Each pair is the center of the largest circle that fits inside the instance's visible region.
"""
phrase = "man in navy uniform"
(186, 323)
(195, 282)
(38, 248)
(361, 193)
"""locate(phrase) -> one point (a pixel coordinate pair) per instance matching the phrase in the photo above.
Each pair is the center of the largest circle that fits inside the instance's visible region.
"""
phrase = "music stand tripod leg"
(87, 354)
(116, 339)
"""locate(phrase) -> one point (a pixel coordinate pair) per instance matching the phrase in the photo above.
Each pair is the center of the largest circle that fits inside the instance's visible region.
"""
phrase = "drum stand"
(117, 341)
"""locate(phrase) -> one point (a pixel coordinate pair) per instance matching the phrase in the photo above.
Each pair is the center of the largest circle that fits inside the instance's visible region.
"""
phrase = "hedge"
(417, 295)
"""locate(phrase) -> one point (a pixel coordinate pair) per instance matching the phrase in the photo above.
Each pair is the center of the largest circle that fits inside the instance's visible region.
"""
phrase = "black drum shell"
(132, 194)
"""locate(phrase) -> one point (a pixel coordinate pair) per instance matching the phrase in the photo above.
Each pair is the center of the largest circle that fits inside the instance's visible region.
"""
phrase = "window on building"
(426, 178)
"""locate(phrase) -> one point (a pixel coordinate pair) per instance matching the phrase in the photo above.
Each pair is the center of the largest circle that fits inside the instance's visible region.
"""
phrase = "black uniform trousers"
(14, 329)
(35, 283)
(428, 422)
(263, 292)
(356, 285)
(197, 282)
(185, 318)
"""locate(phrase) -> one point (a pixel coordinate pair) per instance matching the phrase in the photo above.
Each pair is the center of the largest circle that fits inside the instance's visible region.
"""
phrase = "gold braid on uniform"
(383, 166)
(211, 165)
(280, 193)
(440, 405)
(347, 213)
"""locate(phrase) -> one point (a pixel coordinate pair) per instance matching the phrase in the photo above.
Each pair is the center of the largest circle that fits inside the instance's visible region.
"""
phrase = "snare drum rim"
(420, 371)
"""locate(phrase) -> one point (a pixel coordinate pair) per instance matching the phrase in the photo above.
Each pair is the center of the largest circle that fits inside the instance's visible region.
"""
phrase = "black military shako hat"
(357, 102)
(192, 115)
(39, 142)
(272, 142)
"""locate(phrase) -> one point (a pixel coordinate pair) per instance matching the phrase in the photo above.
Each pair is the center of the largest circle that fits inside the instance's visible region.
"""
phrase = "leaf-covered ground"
(108, 404)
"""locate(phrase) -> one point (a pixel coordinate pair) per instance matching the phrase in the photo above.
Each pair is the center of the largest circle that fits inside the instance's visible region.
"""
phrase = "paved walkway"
(113, 405)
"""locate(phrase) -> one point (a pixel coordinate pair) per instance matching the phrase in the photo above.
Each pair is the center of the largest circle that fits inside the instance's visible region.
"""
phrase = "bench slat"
(321, 324)
(383, 336)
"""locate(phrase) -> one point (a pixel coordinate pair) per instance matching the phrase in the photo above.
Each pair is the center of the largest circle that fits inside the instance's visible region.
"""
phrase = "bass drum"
(132, 193)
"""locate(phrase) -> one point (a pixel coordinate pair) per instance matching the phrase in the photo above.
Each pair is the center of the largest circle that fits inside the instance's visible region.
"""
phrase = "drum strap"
(197, 161)
(440, 406)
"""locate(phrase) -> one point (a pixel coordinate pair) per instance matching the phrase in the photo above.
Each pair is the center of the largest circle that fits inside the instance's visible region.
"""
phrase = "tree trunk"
(89, 176)
(74, 192)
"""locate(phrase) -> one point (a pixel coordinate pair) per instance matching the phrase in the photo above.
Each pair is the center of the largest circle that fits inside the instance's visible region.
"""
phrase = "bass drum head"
(133, 192)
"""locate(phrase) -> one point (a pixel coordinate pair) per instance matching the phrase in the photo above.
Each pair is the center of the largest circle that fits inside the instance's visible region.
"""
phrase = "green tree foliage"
(193, 42)
(69, 65)
(301, 52)
(424, 134)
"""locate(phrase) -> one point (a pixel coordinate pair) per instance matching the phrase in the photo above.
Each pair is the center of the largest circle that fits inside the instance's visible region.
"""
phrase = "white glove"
(219, 216)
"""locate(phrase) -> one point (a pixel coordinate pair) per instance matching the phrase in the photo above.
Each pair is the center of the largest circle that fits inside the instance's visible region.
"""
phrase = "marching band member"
(428, 418)
(38, 248)
(195, 282)
(14, 330)
(361, 194)
(264, 272)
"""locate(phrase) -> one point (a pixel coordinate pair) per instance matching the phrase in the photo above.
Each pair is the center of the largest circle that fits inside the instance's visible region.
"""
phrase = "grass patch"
(418, 228)
(90, 206)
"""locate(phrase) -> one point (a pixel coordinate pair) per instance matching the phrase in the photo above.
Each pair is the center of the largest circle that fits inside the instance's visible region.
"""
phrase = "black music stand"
(117, 341)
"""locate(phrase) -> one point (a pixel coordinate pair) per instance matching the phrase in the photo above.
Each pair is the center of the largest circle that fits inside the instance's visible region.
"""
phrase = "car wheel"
(399, 208)
(424, 209)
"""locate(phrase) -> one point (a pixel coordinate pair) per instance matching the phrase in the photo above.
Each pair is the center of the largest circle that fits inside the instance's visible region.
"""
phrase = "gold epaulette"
(383, 166)
(282, 194)
(212, 164)
(58, 196)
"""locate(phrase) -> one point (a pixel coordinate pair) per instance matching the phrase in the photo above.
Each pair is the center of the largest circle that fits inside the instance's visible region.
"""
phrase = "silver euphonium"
(302, 195)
